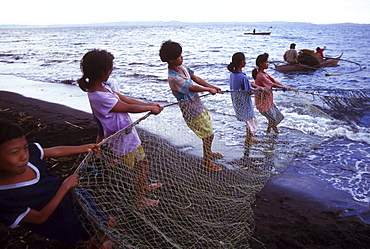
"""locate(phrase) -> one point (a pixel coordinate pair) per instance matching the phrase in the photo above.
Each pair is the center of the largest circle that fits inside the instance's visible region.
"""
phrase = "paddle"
(335, 74)
(344, 60)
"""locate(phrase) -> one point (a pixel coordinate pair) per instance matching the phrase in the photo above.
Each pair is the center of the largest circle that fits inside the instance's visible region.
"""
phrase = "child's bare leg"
(155, 185)
(100, 241)
(269, 128)
(274, 127)
(216, 155)
(249, 138)
(140, 175)
(208, 154)
(212, 155)
(141, 185)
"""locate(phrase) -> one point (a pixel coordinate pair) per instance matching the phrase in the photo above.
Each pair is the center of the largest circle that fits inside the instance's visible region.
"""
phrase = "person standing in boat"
(265, 100)
(320, 51)
(291, 55)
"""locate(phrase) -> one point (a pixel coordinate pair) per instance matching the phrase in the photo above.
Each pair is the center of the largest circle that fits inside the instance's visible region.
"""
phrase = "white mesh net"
(198, 207)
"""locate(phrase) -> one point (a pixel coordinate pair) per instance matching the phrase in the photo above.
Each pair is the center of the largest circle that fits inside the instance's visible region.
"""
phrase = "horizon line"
(175, 22)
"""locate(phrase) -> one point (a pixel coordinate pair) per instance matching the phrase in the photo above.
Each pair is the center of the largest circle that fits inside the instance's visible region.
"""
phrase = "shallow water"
(53, 54)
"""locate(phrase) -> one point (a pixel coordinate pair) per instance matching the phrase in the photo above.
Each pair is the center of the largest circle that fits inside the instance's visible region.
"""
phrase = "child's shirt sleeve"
(270, 78)
(180, 84)
(11, 216)
(264, 80)
(239, 82)
(102, 102)
(247, 85)
(36, 150)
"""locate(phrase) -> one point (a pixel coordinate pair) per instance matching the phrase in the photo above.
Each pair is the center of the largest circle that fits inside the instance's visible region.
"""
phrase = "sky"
(50, 12)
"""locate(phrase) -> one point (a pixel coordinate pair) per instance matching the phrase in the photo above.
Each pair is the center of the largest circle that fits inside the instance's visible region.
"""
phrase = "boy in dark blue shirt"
(32, 197)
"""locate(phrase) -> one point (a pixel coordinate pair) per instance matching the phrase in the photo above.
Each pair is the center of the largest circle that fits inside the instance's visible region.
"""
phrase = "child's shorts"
(133, 157)
(201, 125)
(252, 125)
(273, 115)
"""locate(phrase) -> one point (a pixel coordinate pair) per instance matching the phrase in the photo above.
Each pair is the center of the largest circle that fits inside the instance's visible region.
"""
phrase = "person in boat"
(320, 51)
(254, 31)
(291, 55)
(265, 100)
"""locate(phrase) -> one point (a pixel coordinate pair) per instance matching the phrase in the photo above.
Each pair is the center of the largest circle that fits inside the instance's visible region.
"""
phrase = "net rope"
(198, 207)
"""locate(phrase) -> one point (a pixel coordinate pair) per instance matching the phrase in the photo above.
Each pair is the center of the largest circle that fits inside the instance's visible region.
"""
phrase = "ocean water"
(334, 148)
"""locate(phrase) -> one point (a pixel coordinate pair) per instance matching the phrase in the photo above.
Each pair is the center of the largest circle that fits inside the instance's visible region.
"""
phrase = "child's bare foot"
(100, 241)
(154, 186)
(112, 222)
(107, 245)
(145, 202)
(251, 141)
(113, 163)
(212, 166)
(216, 155)
(275, 129)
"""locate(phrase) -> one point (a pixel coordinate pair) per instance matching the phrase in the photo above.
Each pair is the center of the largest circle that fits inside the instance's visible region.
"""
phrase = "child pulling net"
(200, 207)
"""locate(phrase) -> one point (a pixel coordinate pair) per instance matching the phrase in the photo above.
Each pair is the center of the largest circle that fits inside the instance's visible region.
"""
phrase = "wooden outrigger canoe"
(263, 33)
(330, 62)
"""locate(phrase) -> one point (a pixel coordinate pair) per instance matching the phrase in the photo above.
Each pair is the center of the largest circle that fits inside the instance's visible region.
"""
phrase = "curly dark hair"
(169, 50)
(9, 131)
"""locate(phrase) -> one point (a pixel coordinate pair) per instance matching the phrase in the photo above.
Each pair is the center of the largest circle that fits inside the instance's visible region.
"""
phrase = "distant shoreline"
(174, 23)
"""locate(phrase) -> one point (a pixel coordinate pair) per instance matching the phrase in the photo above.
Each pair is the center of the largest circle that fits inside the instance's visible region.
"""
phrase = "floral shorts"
(201, 125)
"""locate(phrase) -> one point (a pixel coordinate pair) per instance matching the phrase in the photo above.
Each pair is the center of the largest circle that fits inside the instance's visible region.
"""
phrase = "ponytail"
(236, 61)
(231, 67)
(254, 73)
(83, 84)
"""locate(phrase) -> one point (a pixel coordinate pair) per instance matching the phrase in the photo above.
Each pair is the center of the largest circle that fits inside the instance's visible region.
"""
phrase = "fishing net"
(199, 207)
(348, 105)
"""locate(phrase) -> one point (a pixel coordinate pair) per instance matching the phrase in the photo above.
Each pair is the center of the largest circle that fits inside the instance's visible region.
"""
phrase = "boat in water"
(263, 33)
(301, 66)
